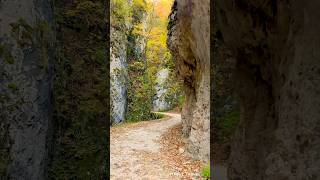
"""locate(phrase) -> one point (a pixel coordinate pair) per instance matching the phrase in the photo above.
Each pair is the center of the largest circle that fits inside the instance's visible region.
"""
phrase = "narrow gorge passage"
(135, 150)
(147, 75)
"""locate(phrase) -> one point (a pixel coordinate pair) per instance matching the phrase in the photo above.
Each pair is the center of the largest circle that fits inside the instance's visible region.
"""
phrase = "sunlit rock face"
(141, 42)
(277, 79)
(26, 64)
(189, 42)
(159, 104)
(118, 75)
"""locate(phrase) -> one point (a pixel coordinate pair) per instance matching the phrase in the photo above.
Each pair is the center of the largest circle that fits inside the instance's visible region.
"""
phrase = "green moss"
(44, 32)
(13, 86)
(3, 98)
(22, 32)
(9, 59)
(80, 96)
(44, 38)
(181, 100)
(205, 173)
(4, 151)
(24, 35)
(84, 15)
(4, 161)
(90, 7)
(100, 55)
(6, 54)
(157, 116)
(227, 125)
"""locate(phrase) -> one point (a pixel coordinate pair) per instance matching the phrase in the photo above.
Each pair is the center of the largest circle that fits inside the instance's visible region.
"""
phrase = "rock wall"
(125, 46)
(81, 91)
(118, 74)
(26, 61)
(189, 42)
(46, 117)
(159, 103)
(276, 47)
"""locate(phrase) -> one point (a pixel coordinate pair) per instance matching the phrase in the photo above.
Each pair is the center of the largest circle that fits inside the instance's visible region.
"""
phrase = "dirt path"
(135, 150)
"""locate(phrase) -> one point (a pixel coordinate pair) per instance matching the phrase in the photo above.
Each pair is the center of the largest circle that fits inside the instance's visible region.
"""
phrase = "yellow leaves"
(157, 51)
(163, 8)
(140, 3)
(138, 30)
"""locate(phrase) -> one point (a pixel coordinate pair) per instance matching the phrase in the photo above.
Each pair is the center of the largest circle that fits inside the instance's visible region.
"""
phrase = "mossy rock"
(22, 32)
(6, 54)
(13, 86)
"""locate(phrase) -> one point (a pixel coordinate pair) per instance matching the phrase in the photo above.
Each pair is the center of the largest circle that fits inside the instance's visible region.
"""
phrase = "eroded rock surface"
(276, 47)
(118, 74)
(189, 42)
(160, 104)
(26, 61)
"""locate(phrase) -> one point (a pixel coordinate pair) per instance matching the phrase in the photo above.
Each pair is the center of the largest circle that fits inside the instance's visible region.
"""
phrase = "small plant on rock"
(205, 173)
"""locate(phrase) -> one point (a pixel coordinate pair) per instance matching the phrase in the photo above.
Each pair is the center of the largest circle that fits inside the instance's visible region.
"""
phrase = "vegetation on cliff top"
(144, 23)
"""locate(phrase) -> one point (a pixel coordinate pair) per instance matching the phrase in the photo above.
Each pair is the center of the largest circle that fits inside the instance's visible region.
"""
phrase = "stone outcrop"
(26, 64)
(118, 74)
(189, 42)
(124, 47)
(276, 48)
(159, 103)
(41, 107)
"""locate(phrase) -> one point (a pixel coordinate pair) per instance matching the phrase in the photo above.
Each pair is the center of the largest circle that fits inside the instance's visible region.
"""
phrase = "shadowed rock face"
(189, 42)
(276, 48)
(26, 59)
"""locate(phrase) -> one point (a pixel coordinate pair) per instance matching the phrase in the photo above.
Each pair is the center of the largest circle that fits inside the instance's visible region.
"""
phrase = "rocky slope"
(189, 42)
(275, 45)
(26, 61)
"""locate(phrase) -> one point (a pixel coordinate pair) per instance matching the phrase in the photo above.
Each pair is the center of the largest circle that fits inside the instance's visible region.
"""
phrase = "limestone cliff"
(26, 64)
(125, 46)
(53, 89)
(276, 48)
(159, 103)
(118, 74)
(189, 42)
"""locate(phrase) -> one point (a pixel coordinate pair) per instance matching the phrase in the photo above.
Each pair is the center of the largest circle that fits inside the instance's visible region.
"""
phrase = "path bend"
(135, 149)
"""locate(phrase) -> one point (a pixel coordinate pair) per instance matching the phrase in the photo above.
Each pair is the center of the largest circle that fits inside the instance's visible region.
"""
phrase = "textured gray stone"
(26, 35)
(189, 42)
(160, 104)
(276, 47)
(118, 74)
